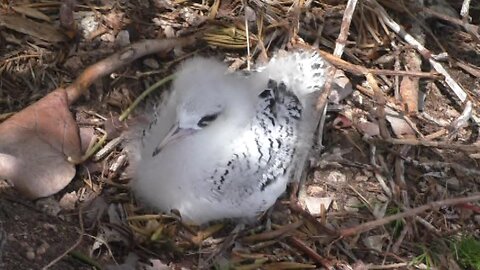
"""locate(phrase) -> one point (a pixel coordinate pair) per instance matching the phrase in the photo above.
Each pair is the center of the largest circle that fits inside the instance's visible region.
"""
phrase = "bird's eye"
(206, 120)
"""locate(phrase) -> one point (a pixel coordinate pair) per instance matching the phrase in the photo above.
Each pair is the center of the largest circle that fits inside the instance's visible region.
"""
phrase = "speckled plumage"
(224, 145)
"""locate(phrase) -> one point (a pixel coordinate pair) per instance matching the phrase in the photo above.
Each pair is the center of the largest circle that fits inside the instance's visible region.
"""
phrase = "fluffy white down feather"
(177, 175)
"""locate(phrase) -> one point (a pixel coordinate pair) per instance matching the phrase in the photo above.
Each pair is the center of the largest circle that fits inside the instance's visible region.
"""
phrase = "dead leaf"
(69, 201)
(130, 263)
(26, 26)
(409, 93)
(368, 128)
(108, 234)
(94, 210)
(35, 144)
(87, 134)
(342, 88)
(49, 206)
(31, 12)
(314, 204)
(374, 242)
(400, 127)
(342, 121)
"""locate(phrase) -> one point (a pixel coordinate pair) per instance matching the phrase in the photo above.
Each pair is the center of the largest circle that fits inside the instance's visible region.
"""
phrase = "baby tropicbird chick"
(225, 145)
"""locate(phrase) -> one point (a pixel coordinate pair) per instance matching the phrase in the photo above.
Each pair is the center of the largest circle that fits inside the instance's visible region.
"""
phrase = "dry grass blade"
(273, 234)
(232, 37)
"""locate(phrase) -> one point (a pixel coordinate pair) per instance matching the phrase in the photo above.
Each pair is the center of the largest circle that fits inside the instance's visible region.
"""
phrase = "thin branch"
(125, 56)
(469, 148)
(410, 213)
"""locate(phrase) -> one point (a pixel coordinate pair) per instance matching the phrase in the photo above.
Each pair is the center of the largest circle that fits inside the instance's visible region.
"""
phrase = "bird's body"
(224, 145)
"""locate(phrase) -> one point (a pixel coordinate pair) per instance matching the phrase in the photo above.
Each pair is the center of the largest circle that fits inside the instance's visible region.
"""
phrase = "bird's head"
(206, 96)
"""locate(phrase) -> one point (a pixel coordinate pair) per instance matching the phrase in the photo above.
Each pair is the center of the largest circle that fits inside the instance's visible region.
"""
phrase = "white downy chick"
(224, 145)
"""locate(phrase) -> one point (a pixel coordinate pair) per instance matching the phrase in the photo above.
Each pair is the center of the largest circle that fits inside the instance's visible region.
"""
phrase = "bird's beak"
(174, 134)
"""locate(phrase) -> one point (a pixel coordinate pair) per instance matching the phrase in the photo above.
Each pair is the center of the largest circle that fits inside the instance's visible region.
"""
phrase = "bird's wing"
(304, 74)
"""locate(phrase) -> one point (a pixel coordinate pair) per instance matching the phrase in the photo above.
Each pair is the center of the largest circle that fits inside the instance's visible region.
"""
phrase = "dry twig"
(409, 213)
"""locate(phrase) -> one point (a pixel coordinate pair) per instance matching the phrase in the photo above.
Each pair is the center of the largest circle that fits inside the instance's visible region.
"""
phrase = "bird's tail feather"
(304, 72)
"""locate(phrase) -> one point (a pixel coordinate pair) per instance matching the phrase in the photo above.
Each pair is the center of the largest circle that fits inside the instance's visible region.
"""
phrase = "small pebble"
(107, 37)
(123, 38)
(453, 183)
(336, 177)
(361, 178)
(352, 205)
(89, 24)
(151, 63)
(374, 242)
(382, 197)
(30, 254)
(315, 190)
(42, 249)
(477, 219)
